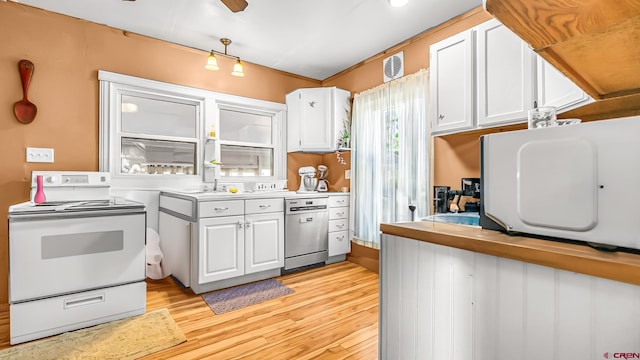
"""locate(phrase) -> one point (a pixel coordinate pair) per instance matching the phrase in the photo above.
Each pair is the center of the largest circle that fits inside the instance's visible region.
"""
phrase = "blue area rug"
(234, 298)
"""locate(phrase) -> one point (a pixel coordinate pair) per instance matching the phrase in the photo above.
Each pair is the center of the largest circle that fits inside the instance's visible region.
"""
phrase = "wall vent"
(393, 66)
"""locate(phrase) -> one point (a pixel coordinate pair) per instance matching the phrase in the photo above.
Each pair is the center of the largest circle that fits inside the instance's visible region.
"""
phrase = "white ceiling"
(312, 38)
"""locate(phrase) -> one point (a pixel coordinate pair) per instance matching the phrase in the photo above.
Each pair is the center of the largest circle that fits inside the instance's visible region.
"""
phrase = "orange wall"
(67, 54)
(335, 177)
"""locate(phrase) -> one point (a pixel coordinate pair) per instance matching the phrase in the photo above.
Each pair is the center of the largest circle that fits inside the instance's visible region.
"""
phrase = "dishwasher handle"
(303, 220)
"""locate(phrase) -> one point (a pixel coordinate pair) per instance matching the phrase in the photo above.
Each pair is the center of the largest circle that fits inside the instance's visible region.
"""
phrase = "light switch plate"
(41, 155)
(347, 174)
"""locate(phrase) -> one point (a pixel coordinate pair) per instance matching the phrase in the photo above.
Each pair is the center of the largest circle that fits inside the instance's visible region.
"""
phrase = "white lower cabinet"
(339, 240)
(227, 244)
(439, 302)
(264, 242)
(220, 248)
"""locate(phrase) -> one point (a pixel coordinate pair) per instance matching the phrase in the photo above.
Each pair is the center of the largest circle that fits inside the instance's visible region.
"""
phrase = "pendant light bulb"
(398, 3)
(238, 69)
(212, 63)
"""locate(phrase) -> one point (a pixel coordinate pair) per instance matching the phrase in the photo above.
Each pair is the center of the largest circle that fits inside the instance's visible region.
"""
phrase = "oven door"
(60, 254)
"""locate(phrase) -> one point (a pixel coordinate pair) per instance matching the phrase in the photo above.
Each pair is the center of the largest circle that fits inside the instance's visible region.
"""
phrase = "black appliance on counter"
(441, 199)
(443, 195)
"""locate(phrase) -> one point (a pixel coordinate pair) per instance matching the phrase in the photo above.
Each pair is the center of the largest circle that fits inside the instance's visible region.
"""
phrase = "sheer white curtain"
(390, 154)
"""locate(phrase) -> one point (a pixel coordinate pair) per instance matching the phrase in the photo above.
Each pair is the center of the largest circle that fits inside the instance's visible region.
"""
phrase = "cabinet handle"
(340, 213)
(340, 201)
(440, 117)
(265, 206)
(340, 238)
(340, 226)
(248, 223)
(221, 208)
(240, 224)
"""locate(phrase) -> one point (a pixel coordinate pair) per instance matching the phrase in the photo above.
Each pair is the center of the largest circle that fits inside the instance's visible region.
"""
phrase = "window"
(150, 132)
(158, 135)
(155, 134)
(251, 143)
(390, 161)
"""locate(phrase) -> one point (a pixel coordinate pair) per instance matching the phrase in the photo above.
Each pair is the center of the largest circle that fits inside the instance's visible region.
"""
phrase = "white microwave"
(577, 182)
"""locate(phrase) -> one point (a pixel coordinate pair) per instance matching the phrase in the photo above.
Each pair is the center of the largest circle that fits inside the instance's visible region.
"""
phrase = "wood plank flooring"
(333, 314)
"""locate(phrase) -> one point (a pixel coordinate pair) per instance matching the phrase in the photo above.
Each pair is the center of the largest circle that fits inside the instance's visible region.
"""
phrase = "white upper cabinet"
(487, 76)
(318, 119)
(505, 76)
(555, 89)
(451, 81)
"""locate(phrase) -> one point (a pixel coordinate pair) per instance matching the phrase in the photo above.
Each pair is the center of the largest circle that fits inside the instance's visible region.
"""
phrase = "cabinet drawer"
(221, 208)
(257, 206)
(339, 243)
(338, 200)
(338, 225)
(36, 319)
(338, 213)
(338, 236)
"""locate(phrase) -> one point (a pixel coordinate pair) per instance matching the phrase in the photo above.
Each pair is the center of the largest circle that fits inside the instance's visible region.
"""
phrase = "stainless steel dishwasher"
(306, 235)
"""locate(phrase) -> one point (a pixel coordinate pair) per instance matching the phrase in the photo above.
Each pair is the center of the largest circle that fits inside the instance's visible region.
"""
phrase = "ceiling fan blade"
(235, 5)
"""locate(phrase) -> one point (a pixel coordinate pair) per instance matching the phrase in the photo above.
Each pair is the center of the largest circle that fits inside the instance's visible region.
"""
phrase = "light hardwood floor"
(333, 314)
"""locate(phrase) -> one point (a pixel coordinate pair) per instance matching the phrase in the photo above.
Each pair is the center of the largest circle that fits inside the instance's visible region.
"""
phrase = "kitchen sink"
(468, 218)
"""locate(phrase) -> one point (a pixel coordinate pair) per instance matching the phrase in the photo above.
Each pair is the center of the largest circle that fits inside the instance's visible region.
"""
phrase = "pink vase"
(39, 198)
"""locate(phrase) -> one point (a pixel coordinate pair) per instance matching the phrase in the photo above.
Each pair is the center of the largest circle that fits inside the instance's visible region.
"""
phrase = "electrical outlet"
(347, 174)
(41, 155)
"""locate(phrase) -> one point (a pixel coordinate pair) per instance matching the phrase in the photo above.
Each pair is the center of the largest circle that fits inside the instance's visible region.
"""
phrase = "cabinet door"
(505, 75)
(312, 117)
(221, 248)
(451, 83)
(555, 89)
(264, 242)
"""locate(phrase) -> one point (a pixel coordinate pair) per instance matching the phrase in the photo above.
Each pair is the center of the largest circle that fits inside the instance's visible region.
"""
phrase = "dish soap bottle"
(212, 132)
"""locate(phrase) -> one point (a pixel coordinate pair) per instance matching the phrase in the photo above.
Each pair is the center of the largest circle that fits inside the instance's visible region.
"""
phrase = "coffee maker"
(308, 180)
(323, 184)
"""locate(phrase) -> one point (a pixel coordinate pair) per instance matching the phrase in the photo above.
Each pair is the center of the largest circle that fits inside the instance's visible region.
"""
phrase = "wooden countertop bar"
(618, 266)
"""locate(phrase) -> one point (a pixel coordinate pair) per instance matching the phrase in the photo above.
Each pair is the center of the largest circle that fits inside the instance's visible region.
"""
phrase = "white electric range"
(76, 260)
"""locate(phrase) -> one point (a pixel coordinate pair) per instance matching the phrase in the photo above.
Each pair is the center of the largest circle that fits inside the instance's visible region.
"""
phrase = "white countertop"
(285, 194)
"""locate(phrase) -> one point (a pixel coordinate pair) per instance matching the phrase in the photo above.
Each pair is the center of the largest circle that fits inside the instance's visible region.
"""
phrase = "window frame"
(113, 85)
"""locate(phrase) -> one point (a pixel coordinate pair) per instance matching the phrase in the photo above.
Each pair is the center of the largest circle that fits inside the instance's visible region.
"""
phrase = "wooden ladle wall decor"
(24, 110)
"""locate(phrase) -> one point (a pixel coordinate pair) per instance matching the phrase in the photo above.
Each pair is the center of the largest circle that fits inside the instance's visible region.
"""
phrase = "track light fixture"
(212, 62)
